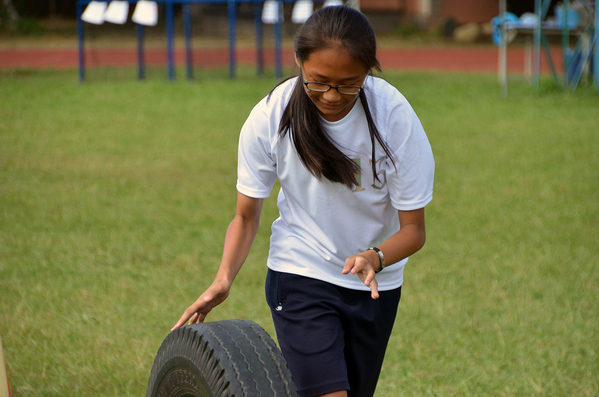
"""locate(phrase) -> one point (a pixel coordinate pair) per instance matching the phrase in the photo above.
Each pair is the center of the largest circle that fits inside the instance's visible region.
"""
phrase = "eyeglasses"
(323, 87)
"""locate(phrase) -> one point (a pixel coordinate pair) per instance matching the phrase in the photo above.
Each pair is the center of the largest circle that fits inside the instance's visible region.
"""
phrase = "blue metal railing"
(169, 7)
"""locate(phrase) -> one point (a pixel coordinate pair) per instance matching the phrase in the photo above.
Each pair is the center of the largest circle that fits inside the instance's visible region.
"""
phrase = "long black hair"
(328, 27)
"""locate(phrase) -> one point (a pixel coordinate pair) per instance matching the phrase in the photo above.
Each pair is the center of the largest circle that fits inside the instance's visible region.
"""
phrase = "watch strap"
(381, 258)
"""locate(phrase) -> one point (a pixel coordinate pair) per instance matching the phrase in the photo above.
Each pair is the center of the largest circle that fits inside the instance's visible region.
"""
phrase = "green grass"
(115, 196)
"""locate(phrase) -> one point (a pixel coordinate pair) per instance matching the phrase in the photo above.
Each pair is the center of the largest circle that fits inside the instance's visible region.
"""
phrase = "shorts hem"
(317, 391)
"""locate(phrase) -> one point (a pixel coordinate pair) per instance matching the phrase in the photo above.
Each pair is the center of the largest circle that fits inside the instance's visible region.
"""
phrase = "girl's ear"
(297, 62)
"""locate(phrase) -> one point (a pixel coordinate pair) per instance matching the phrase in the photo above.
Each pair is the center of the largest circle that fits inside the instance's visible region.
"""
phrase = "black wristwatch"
(381, 258)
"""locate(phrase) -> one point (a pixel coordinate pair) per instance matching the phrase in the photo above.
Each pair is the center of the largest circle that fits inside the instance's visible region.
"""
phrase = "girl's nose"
(332, 95)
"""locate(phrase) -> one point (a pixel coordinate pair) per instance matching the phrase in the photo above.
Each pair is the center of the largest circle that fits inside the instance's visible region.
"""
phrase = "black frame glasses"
(339, 88)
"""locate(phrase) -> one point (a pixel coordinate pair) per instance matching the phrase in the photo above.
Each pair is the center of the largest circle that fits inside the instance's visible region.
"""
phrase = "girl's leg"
(332, 338)
(342, 393)
(309, 331)
(368, 327)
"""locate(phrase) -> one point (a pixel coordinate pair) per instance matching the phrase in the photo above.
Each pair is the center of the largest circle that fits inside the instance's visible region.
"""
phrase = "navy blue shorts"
(332, 338)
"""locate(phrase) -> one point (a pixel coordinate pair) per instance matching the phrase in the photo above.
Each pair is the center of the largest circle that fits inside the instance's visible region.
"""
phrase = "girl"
(356, 171)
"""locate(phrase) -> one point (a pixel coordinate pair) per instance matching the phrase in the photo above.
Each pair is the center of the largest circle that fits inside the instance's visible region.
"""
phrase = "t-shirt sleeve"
(411, 177)
(256, 168)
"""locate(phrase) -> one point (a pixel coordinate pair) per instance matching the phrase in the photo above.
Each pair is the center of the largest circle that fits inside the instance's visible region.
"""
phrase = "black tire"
(230, 358)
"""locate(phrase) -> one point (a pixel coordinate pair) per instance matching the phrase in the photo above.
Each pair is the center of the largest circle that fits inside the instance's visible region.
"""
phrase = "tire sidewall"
(179, 377)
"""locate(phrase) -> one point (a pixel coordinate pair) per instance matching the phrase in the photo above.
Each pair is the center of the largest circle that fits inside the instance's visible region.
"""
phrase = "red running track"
(475, 59)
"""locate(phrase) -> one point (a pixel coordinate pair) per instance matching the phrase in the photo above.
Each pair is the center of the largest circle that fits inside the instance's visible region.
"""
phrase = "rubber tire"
(230, 358)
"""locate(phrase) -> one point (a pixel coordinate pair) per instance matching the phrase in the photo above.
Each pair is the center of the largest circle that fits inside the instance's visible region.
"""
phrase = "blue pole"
(537, 43)
(80, 42)
(278, 34)
(140, 53)
(169, 39)
(596, 49)
(259, 43)
(187, 30)
(565, 41)
(232, 22)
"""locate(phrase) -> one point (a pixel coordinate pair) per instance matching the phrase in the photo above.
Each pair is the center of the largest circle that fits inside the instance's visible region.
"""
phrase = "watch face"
(381, 258)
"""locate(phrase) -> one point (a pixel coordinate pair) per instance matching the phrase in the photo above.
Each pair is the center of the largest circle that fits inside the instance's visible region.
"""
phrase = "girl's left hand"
(361, 266)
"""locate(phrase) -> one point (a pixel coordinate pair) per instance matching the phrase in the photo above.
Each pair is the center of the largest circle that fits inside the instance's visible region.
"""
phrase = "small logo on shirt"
(381, 174)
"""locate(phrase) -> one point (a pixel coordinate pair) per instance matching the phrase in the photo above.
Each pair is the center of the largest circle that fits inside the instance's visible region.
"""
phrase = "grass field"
(115, 196)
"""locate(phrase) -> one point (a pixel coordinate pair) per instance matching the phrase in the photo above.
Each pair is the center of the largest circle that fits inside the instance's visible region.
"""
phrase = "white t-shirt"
(322, 223)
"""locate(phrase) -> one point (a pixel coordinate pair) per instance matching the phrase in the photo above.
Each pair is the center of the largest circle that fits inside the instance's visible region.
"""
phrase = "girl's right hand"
(238, 241)
(212, 297)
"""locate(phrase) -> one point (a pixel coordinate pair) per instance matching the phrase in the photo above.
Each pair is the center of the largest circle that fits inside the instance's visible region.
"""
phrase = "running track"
(473, 59)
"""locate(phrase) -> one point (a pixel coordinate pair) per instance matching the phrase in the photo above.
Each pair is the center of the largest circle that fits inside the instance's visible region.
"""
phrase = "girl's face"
(336, 67)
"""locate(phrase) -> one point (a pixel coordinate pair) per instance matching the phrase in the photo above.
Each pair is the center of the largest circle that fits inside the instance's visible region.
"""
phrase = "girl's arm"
(408, 240)
(238, 241)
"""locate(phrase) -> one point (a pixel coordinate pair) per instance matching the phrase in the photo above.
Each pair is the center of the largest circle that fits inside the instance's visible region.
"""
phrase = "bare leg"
(341, 393)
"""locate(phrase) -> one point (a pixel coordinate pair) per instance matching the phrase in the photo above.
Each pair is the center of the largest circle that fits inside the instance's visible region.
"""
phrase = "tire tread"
(237, 358)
